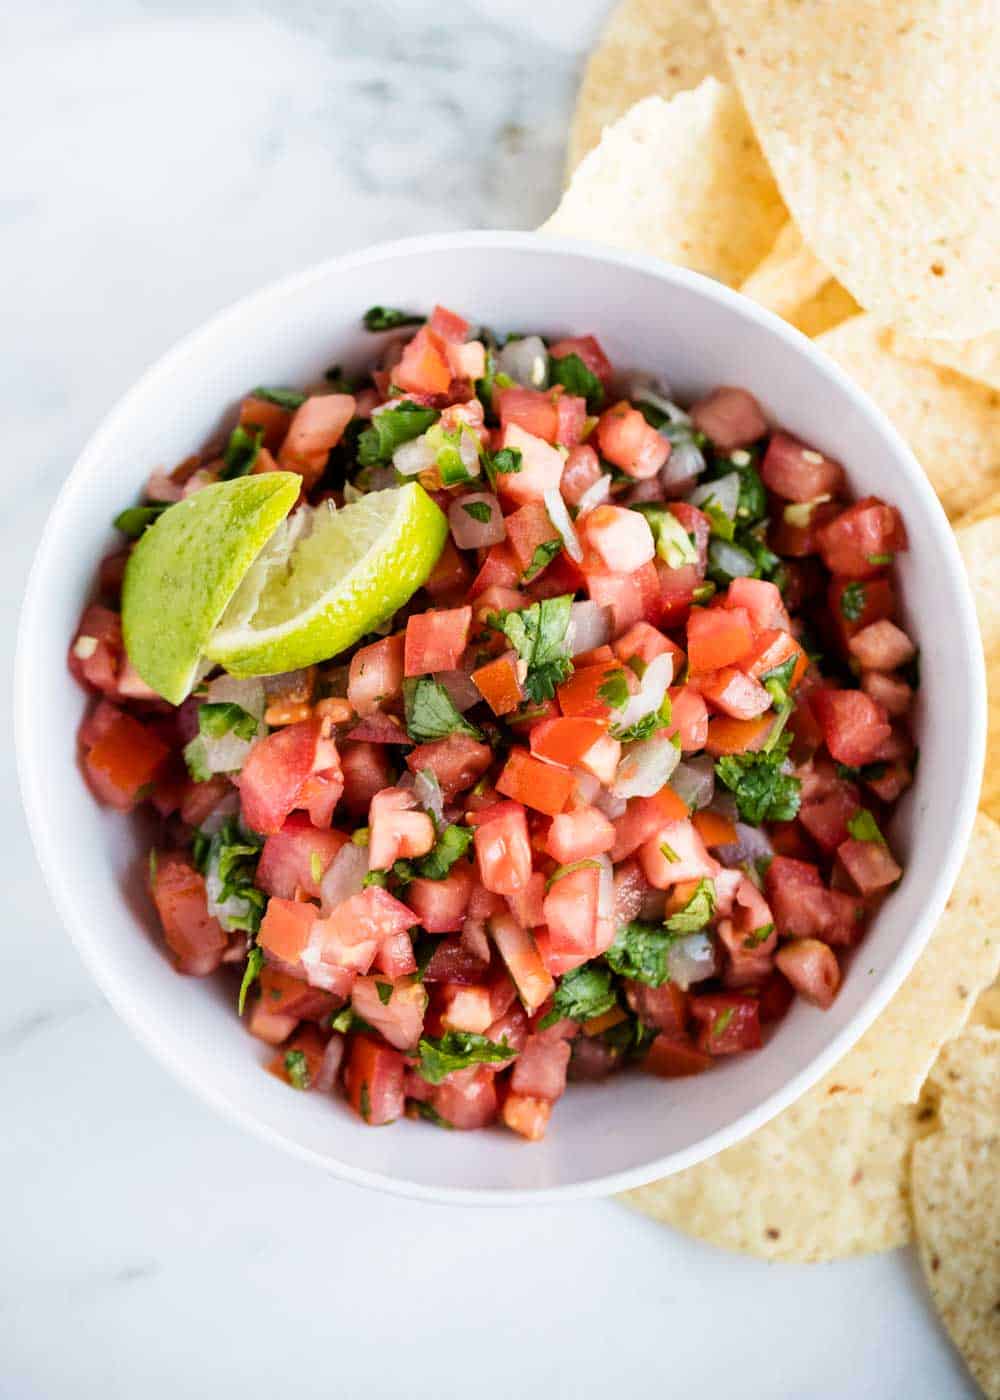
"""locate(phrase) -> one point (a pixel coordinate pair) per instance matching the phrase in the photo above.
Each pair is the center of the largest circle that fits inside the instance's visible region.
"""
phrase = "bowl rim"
(59, 876)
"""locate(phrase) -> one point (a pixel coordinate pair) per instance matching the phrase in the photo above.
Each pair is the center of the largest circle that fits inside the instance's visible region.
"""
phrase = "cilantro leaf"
(538, 635)
(228, 860)
(503, 463)
(864, 827)
(390, 428)
(441, 1056)
(758, 936)
(347, 1019)
(389, 318)
(673, 543)
(431, 713)
(297, 1069)
(284, 398)
(697, 912)
(478, 510)
(721, 526)
(762, 791)
(197, 760)
(640, 952)
(135, 520)
(384, 990)
(852, 601)
(451, 846)
(779, 678)
(613, 690)
(542, 558)
(241, 451)
(576, 378)
(582, 994)
(643, 728)
(255, 961)
(224, 717)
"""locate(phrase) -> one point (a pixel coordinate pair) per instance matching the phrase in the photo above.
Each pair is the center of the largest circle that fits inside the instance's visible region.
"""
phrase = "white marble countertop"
(162, 157)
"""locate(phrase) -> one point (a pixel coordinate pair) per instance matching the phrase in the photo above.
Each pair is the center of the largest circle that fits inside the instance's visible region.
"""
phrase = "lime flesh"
(184, 571)
(329, 577)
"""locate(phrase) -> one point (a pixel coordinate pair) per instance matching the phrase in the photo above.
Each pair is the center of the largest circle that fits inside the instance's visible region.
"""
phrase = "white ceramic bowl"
(697, 335)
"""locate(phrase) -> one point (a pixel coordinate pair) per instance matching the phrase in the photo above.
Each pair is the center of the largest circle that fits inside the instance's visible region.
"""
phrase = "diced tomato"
(541, 467)
(272, 1027)
(628, 441)
(825, 818)
(435, 641)
(540, 786)
(376, 674)
(284, 994)
(441, 905)
(318, 425)
(194, 936)
(571, 910)
(530, 409)
(761, 601)
(803, 907)
(374, 914)
(882, 646)
(457, 762)
(465, 1008)
(863, 539)
(892, 783)
(540, 1069)
(717, 637)
(676, 852)
(395, 956)
(503, 851)
(580, 695)
(729, 1023)
(621, 538)
(796, 542)
(366, 771)
(527, 1116)
(275, 772)
(774, 648)
(374, 1081)
(124, 762)
(688, 719)
(589, 350)
(451, 576)
(714, 830)
(812, 969)
(774, 998)
(729, 418)
(395, 1009)
(396, 831)
(799, 473)
(424, 367)
(577, 742)
(451, 961)
(853, 724)
(643, 817)
(579, 834)
(727, 735)
(646, 642)
(561, 576)
(262, 413)
(286, 928)
(891, 692)
(571, 419)
(97, 650)
(672, 1059)
(866, 601)
(467, 1099)
(520, 955)
(500, 569)
(297, 857)
(677, 588)
(527, 904)
(582, 470)
(449, 325)
(664, 1008)
(869, 864)
(734, 693)
(631, 597)
(528, 530)
(498, 683)
(309, 1048)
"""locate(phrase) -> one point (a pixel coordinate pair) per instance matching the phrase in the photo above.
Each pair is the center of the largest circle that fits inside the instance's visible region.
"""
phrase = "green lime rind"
(182, 574)
(356, 568)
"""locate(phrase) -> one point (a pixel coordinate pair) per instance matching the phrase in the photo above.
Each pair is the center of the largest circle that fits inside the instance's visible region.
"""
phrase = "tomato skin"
(726, 735)
(588, 347)
(801, 541)
(540, 1069)
(451, 961)
(762, 602)
(498, 683)
(790, 470)
(287, 859)
(520, 954)
(730, 418)
(262, 413)
(286, 928)
(717, 637)
(804, 908)
(873, 599)
(579, 834)
(123, 762)
(632, 597)
(855, 542)
(503, 850)
(664, 1008)
(673, 1059)
(582, 470)
(424, 367)
(274, 774)
(812, 969)
(400, 1019)
(643, 817)
(628, 441)
(577, 742)
(689, 861)
(467, 1099)
(195, 938)
(285, 995)
(449, 325)
(854, 726)
(869, 864)
(374, 1081)
(579, 697)
(376, 674)
(540, 786)
(366, 771)
(714, 829)
(526, 1115)
(441, 905)
(570, 910)
(457, 762)
(734, 693)
(318, 425)
(435, 641)
(774, 648)
(729, 1023)
(826, 817)
(530, 409)
(451, 576)
(500, 569)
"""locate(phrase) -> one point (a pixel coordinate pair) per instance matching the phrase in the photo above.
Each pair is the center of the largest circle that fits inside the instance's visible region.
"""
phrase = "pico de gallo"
(610, 790)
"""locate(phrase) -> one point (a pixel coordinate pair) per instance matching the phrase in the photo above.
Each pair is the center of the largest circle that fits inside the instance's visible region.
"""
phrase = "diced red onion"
(644, 491)
(613, 807)
(474, 939)
(526, 361)
(595, 495)
(559, 515)
(414, 456)
(725, 804)
(460, 687)
(469, 533)
(723, 492)
(653, 908)
(589, 627)
(752, 844)
(691, 959)
(684, 464)
(694, 781)
(427, 791)
(645, 768)
(162, 487)
(344, 877)
(649, 697)
(326, 1075)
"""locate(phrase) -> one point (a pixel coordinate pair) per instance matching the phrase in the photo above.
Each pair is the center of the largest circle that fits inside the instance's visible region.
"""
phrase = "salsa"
(610, 790)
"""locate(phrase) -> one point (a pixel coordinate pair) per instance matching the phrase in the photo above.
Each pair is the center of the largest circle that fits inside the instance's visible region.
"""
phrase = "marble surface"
(160, 159)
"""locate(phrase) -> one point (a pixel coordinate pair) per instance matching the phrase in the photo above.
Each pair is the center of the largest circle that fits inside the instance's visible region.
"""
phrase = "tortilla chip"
(956, 1187)
(879, 122)
(808, 1186)
(986, 1011)
(831, 305)
(977, 359)
(649, 48)
(891, 1060)
(980, 546)
(951, 423)
(984, 510)
(789, 276)
(684, 180)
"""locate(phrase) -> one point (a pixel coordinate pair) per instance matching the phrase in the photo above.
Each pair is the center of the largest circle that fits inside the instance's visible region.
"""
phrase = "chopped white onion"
(227, 806)
(649, 697)
(643, 388)
(461, 687)
(414, 456)
(587, 786)
(162, 487)
(351, 494)
(605, 888)
(595, 495)
(344, 877)
(380, 478)
(466, 530)
(645, 768)
(228, 752)
(723, 493)
(427, 791)
(613, 807)
(468, 451)
(526, 361)
(751, 844)
(691, 959)
(589, 627)
(694, 781)
(725, 804)
(326, 1075)
(559, 515)
(685, 463)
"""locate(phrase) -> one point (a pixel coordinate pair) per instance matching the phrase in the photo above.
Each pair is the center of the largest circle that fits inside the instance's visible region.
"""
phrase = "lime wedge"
(328, 577)
(185, 569)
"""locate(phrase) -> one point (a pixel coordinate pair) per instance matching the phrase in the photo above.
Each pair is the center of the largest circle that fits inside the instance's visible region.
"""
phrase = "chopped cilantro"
(255, 961)
(228, 860)
(197, 760)
(284, 398)
(576, 378)
(440, 1056)
(696, 912)
(503, 463)
(375, 877)
(542, 558)
(643, 728)
(669, 853)
(752, 503)
(478, 510)
(297, 1069)
(365, 1101)
(538, 635)
(430, 1113)
(389, 318)
(721, 526)
(560, 871)
(431, 713)
(852, 601)
(226, 717)
(613, 690)
(451, 845)
(315, 866)
(640, 951)
(384, 990)
(359, 836)
(758, 936)
(241, 452)
(762, 791)
(877, 560)
(779, 678)
(721, 1022)
(390, 428)
(864, 827)
(347, 1019)
(135, 520)
(581, 994)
